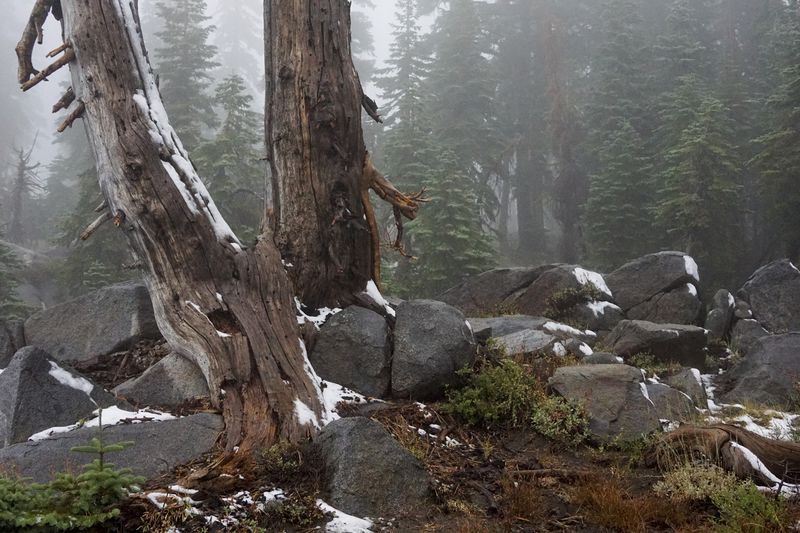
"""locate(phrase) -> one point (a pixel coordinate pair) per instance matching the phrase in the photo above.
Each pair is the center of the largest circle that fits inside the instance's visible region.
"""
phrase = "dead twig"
(68, 56)
(32, 34)
(72, 117)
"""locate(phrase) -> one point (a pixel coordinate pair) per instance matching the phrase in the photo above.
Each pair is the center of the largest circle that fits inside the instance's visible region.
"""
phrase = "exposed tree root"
(719, 444)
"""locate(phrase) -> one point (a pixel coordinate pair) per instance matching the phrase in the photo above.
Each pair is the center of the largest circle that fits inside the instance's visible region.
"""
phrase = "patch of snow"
(559, 349)
(304, 415)
(691, 267)
(585, 349)
(731, 300)
(669, 425)
(469, 326)
(585, 277)
(646, 394)
(323, 314)
(620, 359)
(223, 335)
(219, 298)
(554, 328)
(697, 377)
(691, 288)
(111, 416)
(599, 308)
(375, 295)
(794, 267)
(342, 522)
(69, 380)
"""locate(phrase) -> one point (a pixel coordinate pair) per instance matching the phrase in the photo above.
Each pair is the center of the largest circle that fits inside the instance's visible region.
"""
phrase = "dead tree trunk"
(321, 174)
(227, 308)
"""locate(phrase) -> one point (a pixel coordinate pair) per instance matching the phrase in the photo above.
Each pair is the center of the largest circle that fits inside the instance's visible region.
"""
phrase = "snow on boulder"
(666, 342)
(170, 382)
(536, 299)
(499, 326)
(432, 342)
(12, 338)
(645, 281)
(367, 472)
(526, 341)
(158, 447)
(36, 393)
(615, 397)
(353, 350)
(486, 292)
(773, 293)
(689, 382)
(103, 322)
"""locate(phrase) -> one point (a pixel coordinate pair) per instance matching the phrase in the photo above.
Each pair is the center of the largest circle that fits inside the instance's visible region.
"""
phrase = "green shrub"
(68, 502)
(743, 508)
(561, 420)
(509, 395)
(497, 395)
(695, 482)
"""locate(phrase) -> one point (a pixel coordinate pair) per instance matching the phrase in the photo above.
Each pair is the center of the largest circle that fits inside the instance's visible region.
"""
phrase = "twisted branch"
(32, 34)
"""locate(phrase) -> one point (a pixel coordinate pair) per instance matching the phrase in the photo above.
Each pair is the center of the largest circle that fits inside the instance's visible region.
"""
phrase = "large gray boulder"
(666, 342)
(159, 447)
(768, 375)
(642, 279)
(678, 306)
(597, 316)
(615, 397)
(744, 335)
(689, 382)
(170, 382)
(12, 338)
(432, 342)
(103, 322)
(353, 350)
(720, 317)
(671, 404)
(773, 293)
(367, 472)
(499, 326)
(486, 292)
(527, 341)
(536, 298)
(37, 394)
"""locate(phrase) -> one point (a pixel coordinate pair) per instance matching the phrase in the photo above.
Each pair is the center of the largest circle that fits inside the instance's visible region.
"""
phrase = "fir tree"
(453, 245)
(363, 43)
(233, 162)
(619, 226)
(779, 157)
(10, 306)
(700, 203)
(185, 62)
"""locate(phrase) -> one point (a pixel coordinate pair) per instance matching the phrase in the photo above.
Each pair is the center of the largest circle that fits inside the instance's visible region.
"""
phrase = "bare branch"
(94, 226)
(68, 56)
(65, 101)
(370, 107)
(30, 36)
(72, 117)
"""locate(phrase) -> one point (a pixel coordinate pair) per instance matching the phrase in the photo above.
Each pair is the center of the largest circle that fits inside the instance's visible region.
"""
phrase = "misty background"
(589, 131)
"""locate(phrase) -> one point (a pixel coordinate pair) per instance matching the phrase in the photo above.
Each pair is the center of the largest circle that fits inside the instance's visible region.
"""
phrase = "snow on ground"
(375, 295)
(322, 316)
(600, 308)
(554, 328)
(111, 416)
(585, 277)
(342, 522)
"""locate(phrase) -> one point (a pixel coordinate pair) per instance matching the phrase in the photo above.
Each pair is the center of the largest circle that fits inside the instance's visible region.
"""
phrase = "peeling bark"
(227, 308)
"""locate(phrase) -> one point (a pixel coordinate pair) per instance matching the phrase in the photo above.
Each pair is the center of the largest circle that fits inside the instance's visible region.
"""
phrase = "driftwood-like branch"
(30, 36)
(96, 225)
(68, 56)
(102, 207)
(72, 117)
(54, 53)
(65, 101)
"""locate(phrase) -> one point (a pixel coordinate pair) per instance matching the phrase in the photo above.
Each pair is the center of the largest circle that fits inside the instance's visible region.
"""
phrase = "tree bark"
(316, 149)
(227, 308)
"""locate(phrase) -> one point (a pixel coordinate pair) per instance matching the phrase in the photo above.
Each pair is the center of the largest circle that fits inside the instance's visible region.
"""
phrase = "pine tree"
(10, 306)
(779, 157)
(618, 224)
(363, 43)
(185, 64)
(233, 161)
(700, 200)
(453, 245)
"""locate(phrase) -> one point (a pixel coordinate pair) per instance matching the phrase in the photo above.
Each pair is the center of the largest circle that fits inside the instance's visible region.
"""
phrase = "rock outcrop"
(773, 293)
(666, 342)
(170, 382)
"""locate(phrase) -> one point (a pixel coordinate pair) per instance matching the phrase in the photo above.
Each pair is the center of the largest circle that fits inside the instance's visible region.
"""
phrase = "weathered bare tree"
(321, 173)
(228, 308)
(24, 184)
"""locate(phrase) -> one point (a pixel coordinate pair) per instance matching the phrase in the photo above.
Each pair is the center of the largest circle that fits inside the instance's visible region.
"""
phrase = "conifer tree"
(233, 161)
(618, 224)
(453, 245)
(779, 157)
(10, 306)
(185, 64)
(700, 204)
